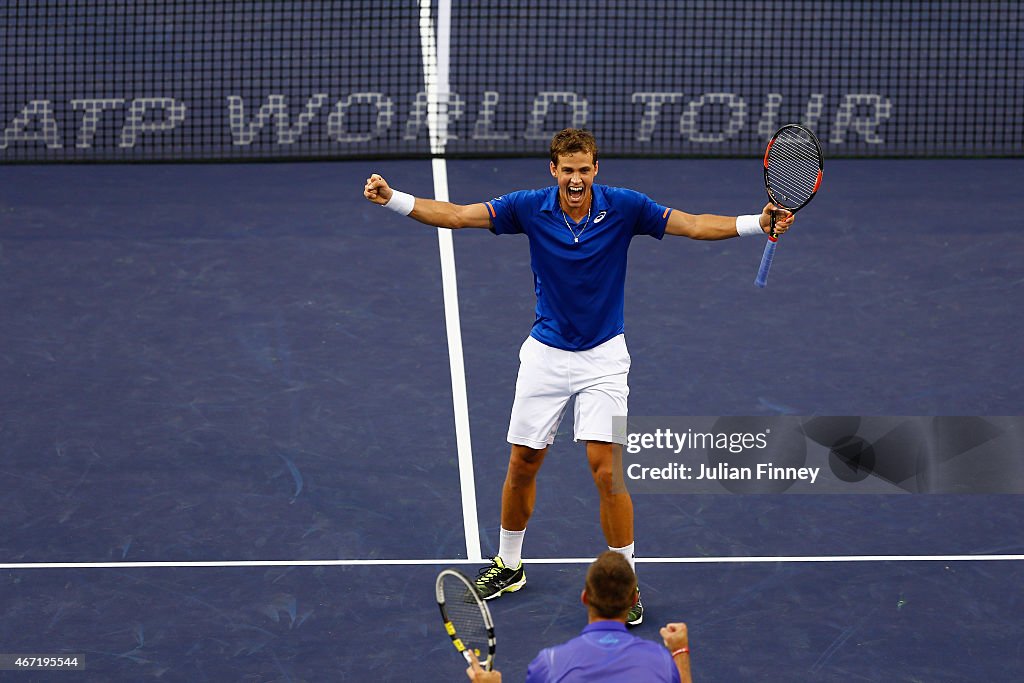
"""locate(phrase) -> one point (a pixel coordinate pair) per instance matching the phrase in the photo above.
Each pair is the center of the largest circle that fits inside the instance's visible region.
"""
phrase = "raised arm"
(429, 211)
(710, 227)
(677, 640)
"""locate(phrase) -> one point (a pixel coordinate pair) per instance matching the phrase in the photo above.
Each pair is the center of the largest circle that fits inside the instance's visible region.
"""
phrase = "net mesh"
(153, 80)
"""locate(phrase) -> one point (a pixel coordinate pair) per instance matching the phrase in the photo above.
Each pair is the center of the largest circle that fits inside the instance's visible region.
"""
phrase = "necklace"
(575, 235)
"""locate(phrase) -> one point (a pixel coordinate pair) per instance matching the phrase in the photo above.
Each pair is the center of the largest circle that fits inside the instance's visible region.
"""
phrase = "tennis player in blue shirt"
(579, 233)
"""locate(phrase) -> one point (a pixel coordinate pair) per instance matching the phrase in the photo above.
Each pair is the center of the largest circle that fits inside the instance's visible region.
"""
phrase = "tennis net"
(187, 80)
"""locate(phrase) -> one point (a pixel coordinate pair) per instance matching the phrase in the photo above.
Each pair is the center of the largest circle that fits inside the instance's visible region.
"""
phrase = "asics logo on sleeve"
(600, 217)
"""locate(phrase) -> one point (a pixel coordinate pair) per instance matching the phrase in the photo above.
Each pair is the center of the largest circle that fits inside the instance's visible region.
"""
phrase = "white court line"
(434, 49)
(460, 400)
(545, 560)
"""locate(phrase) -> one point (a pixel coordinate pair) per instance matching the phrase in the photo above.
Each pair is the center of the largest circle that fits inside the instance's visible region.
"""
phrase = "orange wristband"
(681, 651)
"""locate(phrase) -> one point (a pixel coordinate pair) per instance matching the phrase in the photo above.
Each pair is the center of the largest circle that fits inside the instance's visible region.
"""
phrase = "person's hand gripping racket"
(793, 164)
(777, 219)
(478, 674)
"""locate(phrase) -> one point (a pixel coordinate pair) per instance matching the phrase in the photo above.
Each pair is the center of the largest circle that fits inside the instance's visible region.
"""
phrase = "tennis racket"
(467, 620)
(793, 164)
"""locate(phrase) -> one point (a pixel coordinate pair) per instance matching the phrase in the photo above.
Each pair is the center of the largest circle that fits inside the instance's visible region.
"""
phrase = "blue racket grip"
(766, 263)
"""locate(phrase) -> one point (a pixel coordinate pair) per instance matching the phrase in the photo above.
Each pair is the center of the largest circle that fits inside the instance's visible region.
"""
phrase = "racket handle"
(766, 263)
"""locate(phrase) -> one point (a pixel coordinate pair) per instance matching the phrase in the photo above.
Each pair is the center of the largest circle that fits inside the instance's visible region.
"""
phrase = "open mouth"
(575, 192)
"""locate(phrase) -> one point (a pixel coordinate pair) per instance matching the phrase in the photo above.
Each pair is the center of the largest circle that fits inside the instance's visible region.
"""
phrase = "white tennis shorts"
(549, 377)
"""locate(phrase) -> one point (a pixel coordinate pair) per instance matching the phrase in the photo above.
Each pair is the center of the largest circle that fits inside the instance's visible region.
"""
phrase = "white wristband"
(401, 202)
(749, 225)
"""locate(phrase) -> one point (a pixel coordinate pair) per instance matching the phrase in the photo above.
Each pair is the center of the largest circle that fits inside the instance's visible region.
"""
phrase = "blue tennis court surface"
(248, 364)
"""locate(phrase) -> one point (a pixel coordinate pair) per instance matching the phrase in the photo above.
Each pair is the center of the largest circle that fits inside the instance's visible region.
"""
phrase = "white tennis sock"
(626, 552)
(510, 547)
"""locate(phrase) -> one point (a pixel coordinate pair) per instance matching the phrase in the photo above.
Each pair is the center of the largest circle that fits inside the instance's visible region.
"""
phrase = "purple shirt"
(604, 652)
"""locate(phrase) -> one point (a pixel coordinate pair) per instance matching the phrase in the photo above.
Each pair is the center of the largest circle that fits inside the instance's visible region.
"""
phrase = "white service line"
(434, 49)
(545, 560)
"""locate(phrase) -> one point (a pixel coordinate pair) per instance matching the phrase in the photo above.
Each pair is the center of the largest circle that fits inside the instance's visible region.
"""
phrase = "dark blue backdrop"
(187, 79)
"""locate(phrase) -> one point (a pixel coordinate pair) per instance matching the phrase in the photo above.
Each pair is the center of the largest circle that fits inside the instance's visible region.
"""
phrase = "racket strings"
(465, 614)
(793, 182)
(793, 167)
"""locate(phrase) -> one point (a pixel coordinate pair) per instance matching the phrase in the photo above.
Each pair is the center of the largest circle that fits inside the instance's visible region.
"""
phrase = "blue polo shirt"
(604, 652)
(580, 286)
